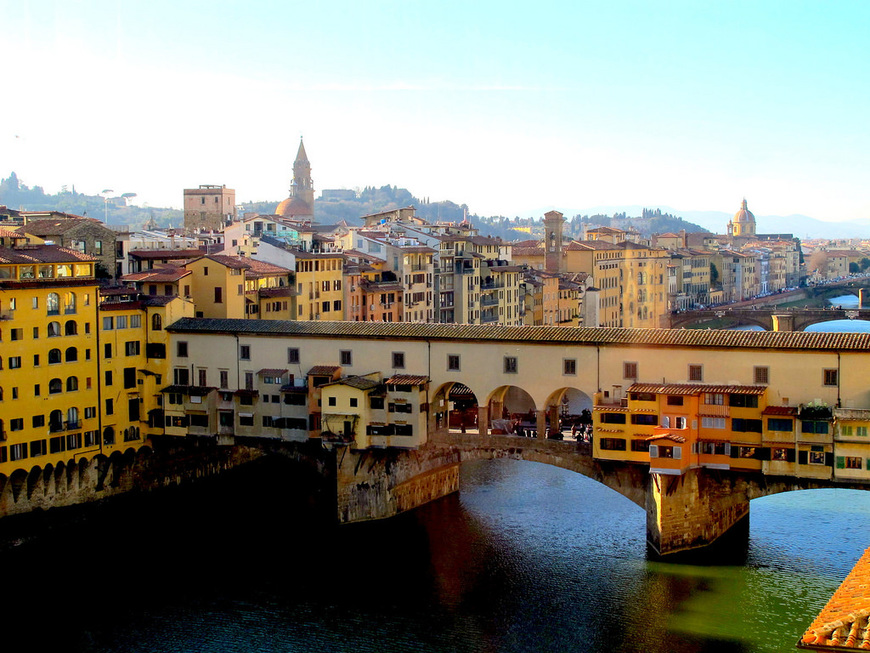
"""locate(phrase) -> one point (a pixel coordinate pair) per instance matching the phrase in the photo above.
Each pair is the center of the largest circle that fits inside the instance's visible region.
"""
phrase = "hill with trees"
(350, 208)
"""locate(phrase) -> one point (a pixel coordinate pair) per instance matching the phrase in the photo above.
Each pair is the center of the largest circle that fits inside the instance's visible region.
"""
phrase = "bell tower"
(553, 222)
(302, 186)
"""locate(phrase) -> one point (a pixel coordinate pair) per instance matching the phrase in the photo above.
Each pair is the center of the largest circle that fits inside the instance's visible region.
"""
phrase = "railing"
(72, 426)
(55, 427)
(489, 300)
(488, 318)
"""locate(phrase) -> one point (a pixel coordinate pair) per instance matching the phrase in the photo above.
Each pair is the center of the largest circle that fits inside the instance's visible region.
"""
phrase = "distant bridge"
(768, 318)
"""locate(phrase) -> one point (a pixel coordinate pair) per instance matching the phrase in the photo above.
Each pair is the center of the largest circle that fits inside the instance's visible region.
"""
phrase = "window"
(696, 373)
(121, 322)
(344, 357)
(108, 323)
(246, 419)
(16, 334)
(830, 377)
(135, 321)
(52, 303)
(90, 412)
(611, 418)
(376, 403)
(181, 349)
(714, 399)
(629, 370)
(861, 431)
(813, 426)
(55, 386)
(218, 295)
(54, 356)
(569, 366)
(743, 401)
(510, 364)
(71, 355)
(679, 422)
(156, 322)
(761, 375)
(293, 355)
(612, 444)
(70, 328)
(453, 362)
(132, 348)
(108, 377)
(108, 435)
(72, 384)
(400, 408)
(38, 421)
(353, 402)
(746, 425)
(225, 378)
(336, 305)
(639, 445)
(850, 462)
(398, 360)
(107, 350)
(16, 424)
(245, 352)
(645, 420)
(129, 377)
(38, 448)
(110, 407)
(181, 376)
(713, 422)
(674, 401)
(330, 401)
(15, 361)
(53, 330)
(780, 424)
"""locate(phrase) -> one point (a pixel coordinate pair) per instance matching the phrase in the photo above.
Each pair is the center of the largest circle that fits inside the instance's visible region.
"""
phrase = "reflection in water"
(526, 558)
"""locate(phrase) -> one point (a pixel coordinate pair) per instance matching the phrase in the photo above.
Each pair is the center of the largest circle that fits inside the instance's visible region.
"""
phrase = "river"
(525, 558)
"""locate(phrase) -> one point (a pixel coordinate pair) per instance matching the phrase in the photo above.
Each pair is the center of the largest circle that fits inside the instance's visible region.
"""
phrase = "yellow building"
(319, 286)
(851, 428)
(218, 285)
(49, 367)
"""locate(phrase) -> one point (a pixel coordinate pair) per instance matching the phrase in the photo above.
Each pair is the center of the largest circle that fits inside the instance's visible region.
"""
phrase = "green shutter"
(841, 462)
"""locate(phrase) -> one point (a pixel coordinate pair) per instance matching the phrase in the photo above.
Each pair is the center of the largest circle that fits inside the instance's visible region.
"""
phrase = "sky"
(510, 108)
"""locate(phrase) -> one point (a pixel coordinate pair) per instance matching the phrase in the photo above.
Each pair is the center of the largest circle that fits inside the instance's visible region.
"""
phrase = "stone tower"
(300, 203)
(208, 208)
(553, 222)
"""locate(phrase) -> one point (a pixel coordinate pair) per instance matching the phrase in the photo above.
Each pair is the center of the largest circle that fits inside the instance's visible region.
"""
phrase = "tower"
(300, 203)
(553, 222)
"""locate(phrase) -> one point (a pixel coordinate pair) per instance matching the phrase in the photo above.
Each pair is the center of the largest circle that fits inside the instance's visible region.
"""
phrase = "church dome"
(293, 207)
(744, 215)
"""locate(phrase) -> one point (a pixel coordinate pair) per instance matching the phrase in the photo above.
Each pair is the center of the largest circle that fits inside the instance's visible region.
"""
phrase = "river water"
(525, 558)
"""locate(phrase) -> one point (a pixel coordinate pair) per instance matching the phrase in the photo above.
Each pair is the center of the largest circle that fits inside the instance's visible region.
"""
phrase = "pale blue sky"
(512, 108)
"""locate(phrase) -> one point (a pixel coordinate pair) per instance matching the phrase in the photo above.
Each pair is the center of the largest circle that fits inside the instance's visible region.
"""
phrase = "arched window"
(72, 418)
(666, 421)
(55, 386)
(72, 384)
(52, 303)
(1, 394)
(156, 322)
(70, 328)
(55, 421)
(69, 302)
(108, 435)
(54, 356)
(53, 329)
(72, 355)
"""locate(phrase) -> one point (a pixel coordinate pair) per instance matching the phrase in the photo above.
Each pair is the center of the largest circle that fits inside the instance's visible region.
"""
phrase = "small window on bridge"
(510, 364)
(569, 366)
(762, 375)
(696, 372)
(675, 401)
(613, 444)
(643, 396)
(629, 370)
(612, 418)
(830, 377)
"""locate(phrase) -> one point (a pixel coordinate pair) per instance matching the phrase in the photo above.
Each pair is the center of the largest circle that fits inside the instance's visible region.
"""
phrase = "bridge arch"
(454, 406)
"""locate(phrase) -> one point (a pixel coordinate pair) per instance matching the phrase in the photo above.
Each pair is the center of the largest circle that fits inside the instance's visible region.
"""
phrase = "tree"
(819, 262)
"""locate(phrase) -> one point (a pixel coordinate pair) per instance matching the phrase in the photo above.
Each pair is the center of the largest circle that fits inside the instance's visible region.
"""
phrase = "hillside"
(117, 211)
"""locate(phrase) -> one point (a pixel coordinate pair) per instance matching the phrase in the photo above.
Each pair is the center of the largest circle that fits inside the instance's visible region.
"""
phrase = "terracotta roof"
(358, 382)
(843, 622)
(407, 379)
(158, 275)
(232, 262)
(780, 410)
(258, 267)
(666, 338)
(272, 371)
(666, 436)
(696, 388)
(321, 370)
(193, 390)
(165, 254)
(42, 254)
(281, 291)
(56, 226)
(10, 233)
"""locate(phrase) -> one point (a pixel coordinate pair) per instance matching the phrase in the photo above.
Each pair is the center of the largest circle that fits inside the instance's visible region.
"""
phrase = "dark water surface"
(526, 558)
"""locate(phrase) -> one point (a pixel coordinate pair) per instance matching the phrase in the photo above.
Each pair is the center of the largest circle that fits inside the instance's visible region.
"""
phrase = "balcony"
(485, 319)
(489, 300)
(714, 410)
(73, 426)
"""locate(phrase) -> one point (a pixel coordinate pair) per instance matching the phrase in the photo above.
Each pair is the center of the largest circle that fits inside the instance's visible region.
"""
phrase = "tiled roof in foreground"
(842, 624)
(701, 338)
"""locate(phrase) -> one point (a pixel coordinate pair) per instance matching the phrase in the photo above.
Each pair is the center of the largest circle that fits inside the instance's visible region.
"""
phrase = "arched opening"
(454, 407)
(513, 411)
(55, 386)
(54, 356)
(53, 329)
(108, 435)
(156, 322)
(70, 328)
(69, 303)
(52, 303)
(72, 418)
(574, 408)
(55, 421)
(72, 355)
(72, 384)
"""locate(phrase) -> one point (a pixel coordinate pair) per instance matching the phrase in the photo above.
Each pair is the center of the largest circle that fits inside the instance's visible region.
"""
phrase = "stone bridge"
(769, 319)
(684, 512)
